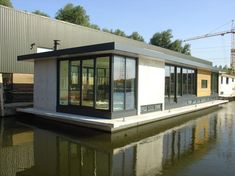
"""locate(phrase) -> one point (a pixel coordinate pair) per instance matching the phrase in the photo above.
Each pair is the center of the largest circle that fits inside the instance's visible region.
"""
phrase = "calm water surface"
(196, 144)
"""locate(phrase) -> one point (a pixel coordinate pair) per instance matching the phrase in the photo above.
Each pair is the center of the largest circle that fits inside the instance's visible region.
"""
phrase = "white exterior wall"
(45, 83)
(151, 83)
(225, 89)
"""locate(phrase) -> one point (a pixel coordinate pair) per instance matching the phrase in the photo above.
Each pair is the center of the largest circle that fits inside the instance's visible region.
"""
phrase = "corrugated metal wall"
(19, 29)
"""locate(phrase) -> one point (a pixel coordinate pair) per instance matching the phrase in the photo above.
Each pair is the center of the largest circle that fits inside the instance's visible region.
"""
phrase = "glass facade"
(124, 84)
(179, 81)
(84, 83)
(77, 82)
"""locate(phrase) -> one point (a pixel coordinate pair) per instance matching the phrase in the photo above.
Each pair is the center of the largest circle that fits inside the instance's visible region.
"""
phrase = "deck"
(118, 124)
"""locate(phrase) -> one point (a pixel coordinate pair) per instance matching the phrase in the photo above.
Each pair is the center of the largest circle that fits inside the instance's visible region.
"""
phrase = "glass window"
(167, 81)
(214, 83)
(102, 83)
(221, 79)
(118, 83)
(193, 82)
(88, 82)
(204, 84)
(189, 81)
(172, 81)
(179, 81)
(74, 87)
(130, 83)
(64, 70)
(185, 81)
(227, 80)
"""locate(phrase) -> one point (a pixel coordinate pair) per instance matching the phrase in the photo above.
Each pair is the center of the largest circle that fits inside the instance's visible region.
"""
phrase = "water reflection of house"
(16, 150)
(95, 154)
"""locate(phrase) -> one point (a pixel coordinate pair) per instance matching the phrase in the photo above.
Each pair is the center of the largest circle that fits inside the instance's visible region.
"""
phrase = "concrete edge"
(165, 117)
(109, 127)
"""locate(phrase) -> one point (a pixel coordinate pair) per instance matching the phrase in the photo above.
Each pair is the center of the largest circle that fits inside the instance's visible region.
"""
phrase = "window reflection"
(88, 82)
(167, 81)
(179, 81)
(130, 83)
(64, 65)
(172, 73)
(124, 89)
(74, 83)
(118, 84)
(102, 83)
(185, 81)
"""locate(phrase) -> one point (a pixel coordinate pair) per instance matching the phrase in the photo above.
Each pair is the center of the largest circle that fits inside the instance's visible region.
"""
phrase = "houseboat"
(226, 86)
(111, 86)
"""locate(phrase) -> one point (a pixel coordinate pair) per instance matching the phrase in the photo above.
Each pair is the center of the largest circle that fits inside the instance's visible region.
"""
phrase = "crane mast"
(222, 33)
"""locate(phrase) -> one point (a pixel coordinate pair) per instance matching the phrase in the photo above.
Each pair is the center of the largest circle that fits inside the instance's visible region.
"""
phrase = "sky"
(186, 18)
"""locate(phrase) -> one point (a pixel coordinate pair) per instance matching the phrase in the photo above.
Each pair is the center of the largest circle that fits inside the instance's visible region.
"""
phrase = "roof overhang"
(120, 49)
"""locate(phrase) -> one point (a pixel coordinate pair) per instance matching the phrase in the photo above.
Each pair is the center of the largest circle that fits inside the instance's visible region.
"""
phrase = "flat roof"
(122, 49)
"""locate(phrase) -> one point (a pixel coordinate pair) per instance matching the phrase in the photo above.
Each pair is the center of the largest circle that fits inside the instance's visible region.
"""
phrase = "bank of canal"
(202, 143)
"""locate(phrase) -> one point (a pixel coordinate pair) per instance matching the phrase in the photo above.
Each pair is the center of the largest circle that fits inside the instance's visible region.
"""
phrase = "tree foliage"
(119, 32)
(6, 3)
(73, 14)
(94, 26)
(164, 39)
(38, 12)
(136, 36)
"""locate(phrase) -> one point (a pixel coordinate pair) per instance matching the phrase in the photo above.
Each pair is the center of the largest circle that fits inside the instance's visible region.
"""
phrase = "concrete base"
(10, 108)
(120, 123)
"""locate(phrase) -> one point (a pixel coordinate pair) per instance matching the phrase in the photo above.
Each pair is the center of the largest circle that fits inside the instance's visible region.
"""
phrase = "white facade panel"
(151, 83)
(45, 85)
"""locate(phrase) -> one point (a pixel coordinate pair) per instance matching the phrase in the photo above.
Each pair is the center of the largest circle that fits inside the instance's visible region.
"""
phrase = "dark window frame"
(92, 111)
(193, 82)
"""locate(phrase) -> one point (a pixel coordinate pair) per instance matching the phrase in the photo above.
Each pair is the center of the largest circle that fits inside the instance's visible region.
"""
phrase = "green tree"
(136, 36)
(6, 3)
(73, 14)
(119, 33)
(94, 26)
(106, 30)
(38, 12)
(164, 40)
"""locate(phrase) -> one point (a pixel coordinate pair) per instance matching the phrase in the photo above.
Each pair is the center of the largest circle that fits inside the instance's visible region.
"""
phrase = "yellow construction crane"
(222, 33)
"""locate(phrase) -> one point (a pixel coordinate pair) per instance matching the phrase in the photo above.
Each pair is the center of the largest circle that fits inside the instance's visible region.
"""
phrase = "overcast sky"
(186, 18)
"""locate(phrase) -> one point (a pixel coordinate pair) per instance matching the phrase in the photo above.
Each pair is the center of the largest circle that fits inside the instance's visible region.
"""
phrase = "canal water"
(201, 143)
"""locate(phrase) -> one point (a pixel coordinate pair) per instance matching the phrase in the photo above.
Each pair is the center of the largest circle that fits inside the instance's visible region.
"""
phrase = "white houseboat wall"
(112, 80)
(226, 86)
